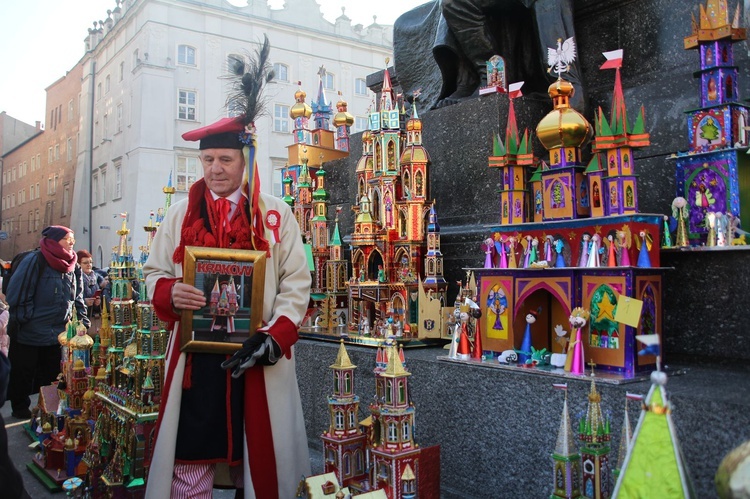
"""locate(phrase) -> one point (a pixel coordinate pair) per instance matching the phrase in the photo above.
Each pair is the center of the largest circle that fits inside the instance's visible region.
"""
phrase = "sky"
(42, 39)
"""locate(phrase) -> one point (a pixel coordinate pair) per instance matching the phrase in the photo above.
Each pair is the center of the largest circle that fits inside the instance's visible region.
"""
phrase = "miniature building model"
(567, 238)
(384, 456)
(710, 173)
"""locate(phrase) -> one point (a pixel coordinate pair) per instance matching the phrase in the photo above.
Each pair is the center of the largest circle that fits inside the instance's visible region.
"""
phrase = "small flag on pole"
(614, 59)
(514, 89)
(633, 396)
(560, 386)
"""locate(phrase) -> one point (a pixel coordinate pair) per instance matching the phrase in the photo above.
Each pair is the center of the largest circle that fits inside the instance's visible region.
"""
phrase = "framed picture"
(232, 282)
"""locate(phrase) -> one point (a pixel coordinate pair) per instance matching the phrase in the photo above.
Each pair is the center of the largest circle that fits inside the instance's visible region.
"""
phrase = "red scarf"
(200, 226)
(58, 257)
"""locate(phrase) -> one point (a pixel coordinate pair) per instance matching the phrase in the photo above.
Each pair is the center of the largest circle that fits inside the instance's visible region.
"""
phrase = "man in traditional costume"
(241, 413)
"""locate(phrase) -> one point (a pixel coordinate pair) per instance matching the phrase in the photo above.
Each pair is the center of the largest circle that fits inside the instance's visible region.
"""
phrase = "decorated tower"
(319, 231)
(563, 132)
(513, 161)
(615, 192)
(300, 113)
(344, 443)
(321, 135)
(710, 173)
(594, 436)
(342, 121)
(567, 464)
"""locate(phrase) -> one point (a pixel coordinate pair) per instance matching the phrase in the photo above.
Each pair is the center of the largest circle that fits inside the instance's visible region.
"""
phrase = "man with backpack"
(41, 292)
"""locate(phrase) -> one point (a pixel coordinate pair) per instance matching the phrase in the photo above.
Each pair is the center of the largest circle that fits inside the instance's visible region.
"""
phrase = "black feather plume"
(247, 81)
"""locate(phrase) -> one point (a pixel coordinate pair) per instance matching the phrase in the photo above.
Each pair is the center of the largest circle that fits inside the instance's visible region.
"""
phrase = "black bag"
(41, 263)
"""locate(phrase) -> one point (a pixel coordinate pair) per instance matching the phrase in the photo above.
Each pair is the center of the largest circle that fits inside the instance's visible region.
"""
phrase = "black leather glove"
(260, 349)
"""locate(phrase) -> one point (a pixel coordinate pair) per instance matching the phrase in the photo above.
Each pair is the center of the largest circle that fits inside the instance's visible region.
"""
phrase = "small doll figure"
(585, 247)
(534, 254)
(524, 354)
(666, 236)
(464, 347)
(549, 244)
(526, 243)
(559, 250)
(681, 212)
(722, 225)
(500, 250)
(644, 243)
(575, 362)
(512, 253)
(710, 223)
(365, 326)
(487, 246)
(593, 260)
(611, 248)
(381, 274)
(456, 334)
(558, 359)
(623, 246)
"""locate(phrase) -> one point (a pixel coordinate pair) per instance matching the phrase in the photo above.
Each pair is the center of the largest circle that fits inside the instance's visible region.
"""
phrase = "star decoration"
(606, 310)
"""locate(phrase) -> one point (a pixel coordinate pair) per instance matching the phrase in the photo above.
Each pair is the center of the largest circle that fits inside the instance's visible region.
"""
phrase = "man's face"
(222, 170)
(67, 242)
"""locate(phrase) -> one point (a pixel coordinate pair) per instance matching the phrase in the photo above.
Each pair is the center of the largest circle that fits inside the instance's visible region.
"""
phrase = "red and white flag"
(633, 396)
(614, 59)
(560, 386)
(514, 89)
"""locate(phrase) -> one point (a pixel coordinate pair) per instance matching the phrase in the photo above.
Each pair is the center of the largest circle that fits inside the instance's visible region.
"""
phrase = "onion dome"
(69, 444)
(563, 126)
(301, 109)
(81, 341)
(78, 365)
(364, 215)
(414, 123)
(101, 374)
(62, 338)
(343, 117)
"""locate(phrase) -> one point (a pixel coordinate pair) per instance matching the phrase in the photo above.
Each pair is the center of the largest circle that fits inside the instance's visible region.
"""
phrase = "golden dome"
(89, 395)
(563, 126)
(415, 125)
(78, 365)
(81, 341)
(367, 136)
(62, 338)
(301, 108)
(101, 373)
(343, 117)
(414, 154)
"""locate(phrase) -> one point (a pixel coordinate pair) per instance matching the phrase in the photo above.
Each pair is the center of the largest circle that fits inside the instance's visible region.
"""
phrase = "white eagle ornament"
(559, 59)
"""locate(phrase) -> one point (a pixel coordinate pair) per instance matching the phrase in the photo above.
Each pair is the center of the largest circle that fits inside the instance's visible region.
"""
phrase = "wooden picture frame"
(233, 282)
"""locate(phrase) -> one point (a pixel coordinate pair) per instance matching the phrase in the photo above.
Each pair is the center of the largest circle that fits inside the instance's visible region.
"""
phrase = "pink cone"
(577, 366)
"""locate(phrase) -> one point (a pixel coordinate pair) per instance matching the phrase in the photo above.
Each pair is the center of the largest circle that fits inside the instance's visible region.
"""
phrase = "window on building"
(39, 161)
(65, 201)
(103, 184)
(281, 118)
(32, 193)
(33, 163)
(94, 189)
(360, 86)
(118, 118)
(70, 110)
(36, 220)
(69, 147)
(186, 105)
(136, 58)
(49, 185)
(360, 124)
(98, 91)
(38, 190)
(31, 221)
(105, 127)
(328, 81)
(13, 200)
(121, 71)
(13, 175)
(280, 72)
(117, 194)
(106, 85)
(392, 432)
(49, 156)
(185, 55)
(57, 152)
(20, 198)
(187, 172)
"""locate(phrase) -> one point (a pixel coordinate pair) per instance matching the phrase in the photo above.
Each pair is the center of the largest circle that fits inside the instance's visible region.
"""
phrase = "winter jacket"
(44, 310)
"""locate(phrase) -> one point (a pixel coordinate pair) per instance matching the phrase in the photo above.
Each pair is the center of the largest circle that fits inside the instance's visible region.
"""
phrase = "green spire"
(640, 123)
(498, 148)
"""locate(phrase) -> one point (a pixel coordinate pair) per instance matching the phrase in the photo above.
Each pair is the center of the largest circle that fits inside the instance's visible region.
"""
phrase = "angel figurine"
(512, 253)
(666, 237)
(534, 252)
(549, 244)
(623, 245)
(559, 250)
(526, 243)
(593, 260)
(644, 243)
(487, 246)
(575, 362)
(681, 212)
(585, 247)
(500, 250)
(611, 244)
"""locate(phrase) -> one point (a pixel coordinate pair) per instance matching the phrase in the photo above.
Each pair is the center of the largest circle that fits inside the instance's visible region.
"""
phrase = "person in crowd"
(11, 482)
(241, 412)
(4, 316)
(91, 281)
(42, 305)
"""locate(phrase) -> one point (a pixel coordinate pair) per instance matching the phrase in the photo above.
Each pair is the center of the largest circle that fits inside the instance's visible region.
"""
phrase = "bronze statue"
(442, 46)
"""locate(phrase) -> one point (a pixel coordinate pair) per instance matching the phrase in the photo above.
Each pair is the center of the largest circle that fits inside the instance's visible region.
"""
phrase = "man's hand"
(187, 297)
(259, 349)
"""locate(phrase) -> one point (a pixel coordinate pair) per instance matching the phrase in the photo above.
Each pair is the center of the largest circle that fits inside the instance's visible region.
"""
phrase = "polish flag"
(514, 90)
(633, 396)
(560, 386)
(614, 59)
